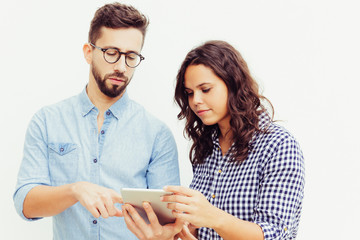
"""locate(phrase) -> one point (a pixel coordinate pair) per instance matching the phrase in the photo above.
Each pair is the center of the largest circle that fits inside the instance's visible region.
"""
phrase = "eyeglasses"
(112, 55)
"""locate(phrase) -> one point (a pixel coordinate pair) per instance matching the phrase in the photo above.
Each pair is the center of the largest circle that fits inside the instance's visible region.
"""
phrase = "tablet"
(136, 196)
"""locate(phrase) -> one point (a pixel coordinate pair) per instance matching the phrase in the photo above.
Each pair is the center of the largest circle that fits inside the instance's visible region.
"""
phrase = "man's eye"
(132, 56)
(111, 52)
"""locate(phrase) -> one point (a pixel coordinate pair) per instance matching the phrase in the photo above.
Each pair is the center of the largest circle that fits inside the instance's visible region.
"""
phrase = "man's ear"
(87, 49)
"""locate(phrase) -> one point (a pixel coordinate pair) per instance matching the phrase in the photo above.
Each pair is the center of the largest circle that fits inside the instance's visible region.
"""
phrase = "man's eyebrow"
(130, 51)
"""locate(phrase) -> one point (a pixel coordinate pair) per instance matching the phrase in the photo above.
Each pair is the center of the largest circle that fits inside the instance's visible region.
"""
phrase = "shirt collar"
(87, 106)
(120, 105)
(264, 122)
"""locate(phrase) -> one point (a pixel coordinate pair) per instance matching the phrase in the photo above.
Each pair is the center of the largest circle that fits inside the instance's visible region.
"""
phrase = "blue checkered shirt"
(267, 188)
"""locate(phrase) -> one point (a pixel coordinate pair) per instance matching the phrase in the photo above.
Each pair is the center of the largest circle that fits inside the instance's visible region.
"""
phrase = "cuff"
(19, 198)
(273, 232)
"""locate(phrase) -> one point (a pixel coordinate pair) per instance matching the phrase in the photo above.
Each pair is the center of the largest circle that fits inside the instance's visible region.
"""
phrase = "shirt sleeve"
(281, 190)
(34, 166)
(163, 167)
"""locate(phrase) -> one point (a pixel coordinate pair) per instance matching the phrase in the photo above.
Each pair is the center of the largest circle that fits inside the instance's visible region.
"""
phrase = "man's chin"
(113, 93)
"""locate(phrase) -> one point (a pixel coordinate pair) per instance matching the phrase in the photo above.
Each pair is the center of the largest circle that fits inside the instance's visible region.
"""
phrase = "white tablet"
(136, 196)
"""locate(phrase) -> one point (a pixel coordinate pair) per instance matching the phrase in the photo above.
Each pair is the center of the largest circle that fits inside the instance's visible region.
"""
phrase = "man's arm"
(35, 197)
(163, 167)
(45, 201)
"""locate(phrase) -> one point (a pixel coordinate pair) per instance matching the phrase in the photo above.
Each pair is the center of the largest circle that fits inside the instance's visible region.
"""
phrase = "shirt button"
(213, 196)
(108, 113)
(95, 160)
(102, 131)
(94, 222)
(219, 171)
(285, 229)
(61, 149)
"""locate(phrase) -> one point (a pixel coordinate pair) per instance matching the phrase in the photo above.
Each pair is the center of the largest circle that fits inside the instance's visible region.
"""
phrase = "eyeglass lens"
(131, 59)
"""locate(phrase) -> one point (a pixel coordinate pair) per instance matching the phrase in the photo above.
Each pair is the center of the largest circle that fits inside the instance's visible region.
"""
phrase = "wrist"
(220, 220)
(74, 190)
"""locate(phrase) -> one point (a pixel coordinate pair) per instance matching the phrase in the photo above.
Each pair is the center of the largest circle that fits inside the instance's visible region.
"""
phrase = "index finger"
(180, 190)
(117, 198)
(151, 215)
(137, 219)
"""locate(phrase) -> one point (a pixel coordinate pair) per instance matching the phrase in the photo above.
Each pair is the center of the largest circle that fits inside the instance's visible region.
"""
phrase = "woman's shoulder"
(276, 147)
(272, 132)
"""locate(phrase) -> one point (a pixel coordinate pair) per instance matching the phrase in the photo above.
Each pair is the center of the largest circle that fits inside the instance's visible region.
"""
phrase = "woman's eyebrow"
(200, 85)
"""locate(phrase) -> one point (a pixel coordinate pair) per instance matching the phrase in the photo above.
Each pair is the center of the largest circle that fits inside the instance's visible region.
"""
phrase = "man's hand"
(152, 231)
(98, 200)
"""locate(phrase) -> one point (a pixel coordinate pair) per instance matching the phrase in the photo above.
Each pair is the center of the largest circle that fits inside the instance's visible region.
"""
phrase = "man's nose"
(120, 65)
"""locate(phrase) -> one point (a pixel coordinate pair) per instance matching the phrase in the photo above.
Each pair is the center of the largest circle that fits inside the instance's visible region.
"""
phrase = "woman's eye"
(206, 90)
(189, 93)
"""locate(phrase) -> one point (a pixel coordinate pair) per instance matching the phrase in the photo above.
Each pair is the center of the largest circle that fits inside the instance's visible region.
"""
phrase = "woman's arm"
(193, 207)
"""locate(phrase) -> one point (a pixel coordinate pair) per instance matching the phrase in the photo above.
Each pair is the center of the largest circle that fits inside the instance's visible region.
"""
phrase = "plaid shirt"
(267, 188)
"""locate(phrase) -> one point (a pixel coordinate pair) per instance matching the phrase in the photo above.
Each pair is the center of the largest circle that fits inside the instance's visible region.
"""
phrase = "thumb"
(118, 213)
(117, 198)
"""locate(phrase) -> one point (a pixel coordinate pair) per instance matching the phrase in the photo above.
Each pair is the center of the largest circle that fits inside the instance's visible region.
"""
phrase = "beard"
(112, 90)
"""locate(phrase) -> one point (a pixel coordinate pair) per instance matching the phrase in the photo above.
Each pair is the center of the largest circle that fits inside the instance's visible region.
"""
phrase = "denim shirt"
(63, 145)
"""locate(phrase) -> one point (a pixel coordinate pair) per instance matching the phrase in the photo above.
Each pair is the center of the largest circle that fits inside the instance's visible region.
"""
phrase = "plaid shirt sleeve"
(281, 188)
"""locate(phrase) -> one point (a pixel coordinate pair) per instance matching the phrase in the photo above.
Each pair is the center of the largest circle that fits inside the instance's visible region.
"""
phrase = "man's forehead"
(121, 38)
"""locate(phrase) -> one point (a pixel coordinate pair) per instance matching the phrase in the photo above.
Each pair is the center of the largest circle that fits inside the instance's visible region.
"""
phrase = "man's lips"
(116, 81)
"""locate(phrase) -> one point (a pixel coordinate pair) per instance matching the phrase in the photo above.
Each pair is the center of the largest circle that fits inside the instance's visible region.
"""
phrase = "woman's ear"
(87, 49)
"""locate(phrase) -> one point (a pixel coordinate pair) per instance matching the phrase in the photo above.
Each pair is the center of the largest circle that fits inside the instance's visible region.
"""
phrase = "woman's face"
(207, 95)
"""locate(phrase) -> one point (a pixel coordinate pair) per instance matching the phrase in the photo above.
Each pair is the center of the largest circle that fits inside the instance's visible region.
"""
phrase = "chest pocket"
(63, 162)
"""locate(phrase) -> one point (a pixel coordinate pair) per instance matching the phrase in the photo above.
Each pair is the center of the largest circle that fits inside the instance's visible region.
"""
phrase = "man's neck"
(100, 100)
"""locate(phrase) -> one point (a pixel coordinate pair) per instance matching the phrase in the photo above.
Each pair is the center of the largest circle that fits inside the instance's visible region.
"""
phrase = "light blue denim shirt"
(62, 145)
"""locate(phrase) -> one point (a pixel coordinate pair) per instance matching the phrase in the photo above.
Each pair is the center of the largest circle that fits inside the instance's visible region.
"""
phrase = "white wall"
(305, 55)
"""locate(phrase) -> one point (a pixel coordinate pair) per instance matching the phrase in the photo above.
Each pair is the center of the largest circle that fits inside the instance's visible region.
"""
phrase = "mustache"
(117, 75)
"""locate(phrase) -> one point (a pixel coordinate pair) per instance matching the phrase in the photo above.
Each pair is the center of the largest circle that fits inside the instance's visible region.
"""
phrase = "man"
(78, 153)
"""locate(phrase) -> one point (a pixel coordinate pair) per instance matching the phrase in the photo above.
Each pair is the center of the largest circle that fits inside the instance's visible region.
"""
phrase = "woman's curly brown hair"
(244, 100)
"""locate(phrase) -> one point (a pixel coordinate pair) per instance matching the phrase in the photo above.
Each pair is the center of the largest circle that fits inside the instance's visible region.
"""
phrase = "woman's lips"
(202, 112)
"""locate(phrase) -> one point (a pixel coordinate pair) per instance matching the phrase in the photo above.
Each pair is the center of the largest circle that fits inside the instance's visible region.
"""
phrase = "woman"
(248, 172)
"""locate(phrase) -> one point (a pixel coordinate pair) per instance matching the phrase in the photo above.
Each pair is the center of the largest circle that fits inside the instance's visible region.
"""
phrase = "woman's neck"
(225, 139)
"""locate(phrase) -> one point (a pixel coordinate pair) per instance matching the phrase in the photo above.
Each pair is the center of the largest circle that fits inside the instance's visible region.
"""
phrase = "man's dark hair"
(117, 15)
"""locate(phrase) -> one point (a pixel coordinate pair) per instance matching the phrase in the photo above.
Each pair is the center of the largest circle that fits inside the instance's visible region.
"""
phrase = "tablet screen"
(136, 196)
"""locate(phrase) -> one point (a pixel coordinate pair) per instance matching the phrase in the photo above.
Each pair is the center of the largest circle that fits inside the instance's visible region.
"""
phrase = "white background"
(304, 54)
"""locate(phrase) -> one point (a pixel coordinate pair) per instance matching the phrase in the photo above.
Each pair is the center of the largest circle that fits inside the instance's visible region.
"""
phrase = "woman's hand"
(154, 230)
(188, 232)
(191, 206)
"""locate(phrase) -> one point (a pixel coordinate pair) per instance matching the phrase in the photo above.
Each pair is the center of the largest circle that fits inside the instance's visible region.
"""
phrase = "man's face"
(112, 78)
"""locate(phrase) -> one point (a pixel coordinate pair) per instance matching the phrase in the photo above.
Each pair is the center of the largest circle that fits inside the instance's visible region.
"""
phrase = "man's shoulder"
(59, 107)
(144, 117)
(139, 110)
